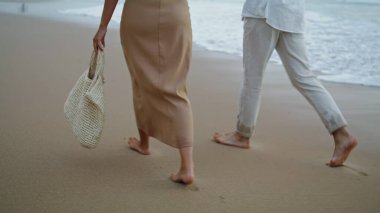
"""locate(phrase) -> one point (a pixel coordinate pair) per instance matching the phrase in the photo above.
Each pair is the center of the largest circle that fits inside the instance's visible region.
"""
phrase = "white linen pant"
(260, 40)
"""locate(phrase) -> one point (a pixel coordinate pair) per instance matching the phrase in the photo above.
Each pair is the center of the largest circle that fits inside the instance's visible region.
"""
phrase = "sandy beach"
(44, 169)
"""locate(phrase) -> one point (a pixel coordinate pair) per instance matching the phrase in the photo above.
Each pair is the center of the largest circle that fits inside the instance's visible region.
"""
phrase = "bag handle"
(97, 65)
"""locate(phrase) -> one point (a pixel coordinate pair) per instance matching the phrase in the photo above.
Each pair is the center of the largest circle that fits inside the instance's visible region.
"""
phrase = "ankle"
(241, 138)
(341, 132)
(186, 170)
(144, 144)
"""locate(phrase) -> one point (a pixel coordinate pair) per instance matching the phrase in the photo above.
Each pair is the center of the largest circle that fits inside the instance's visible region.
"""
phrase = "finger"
(103, 42)
(100, 45)
(95, 44)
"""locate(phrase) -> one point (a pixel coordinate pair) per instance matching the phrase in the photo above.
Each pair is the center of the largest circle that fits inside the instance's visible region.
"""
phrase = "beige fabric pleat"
(156, 39)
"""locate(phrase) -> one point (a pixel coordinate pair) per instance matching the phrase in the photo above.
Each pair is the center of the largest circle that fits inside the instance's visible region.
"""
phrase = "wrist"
(103, 26)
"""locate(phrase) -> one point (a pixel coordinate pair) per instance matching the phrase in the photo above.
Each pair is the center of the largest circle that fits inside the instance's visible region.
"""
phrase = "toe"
(334, 164)
(216, 135)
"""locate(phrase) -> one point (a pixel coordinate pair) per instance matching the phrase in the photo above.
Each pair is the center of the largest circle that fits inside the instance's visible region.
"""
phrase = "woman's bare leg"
(185, 174)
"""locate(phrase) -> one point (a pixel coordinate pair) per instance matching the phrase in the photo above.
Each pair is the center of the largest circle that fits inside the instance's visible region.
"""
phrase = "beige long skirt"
(156, 38)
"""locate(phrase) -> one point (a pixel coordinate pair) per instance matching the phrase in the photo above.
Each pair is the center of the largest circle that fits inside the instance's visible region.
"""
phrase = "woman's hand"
(99, 39)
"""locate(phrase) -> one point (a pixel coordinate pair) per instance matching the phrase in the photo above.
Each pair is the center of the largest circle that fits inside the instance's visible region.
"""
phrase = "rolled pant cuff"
(332, 129)
(244, 130)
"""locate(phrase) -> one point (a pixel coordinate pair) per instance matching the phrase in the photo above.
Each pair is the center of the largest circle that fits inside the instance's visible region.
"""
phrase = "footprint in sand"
(192, 187)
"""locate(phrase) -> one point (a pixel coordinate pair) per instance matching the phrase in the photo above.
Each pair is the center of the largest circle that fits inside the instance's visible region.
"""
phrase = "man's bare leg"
(344, 144)
(185, 174)
(232, 139)
(141, 146)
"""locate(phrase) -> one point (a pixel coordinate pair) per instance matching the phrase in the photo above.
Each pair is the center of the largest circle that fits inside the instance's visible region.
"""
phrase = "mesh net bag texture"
(84, 107)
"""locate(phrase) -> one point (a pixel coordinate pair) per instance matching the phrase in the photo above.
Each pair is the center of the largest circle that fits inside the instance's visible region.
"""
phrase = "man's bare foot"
(344, 144)
(232, 139)
(182, 178)
(135, 145)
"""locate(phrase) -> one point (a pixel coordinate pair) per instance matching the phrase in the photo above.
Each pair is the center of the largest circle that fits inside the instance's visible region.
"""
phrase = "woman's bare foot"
(232, 139)
(186, 171)
(136, 145)
(184, 178)
(344, 144)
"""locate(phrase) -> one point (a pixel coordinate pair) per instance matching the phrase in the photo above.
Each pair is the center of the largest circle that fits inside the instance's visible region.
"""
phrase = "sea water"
(342, 36)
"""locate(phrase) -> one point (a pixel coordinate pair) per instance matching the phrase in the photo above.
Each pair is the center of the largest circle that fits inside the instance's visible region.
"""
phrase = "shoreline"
(89, 21)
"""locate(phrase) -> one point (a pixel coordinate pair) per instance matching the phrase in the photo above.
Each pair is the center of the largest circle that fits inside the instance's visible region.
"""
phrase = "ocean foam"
(341, 47)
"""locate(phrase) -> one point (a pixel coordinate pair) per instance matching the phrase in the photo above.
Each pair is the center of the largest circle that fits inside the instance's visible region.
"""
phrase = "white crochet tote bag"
(84, 107)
